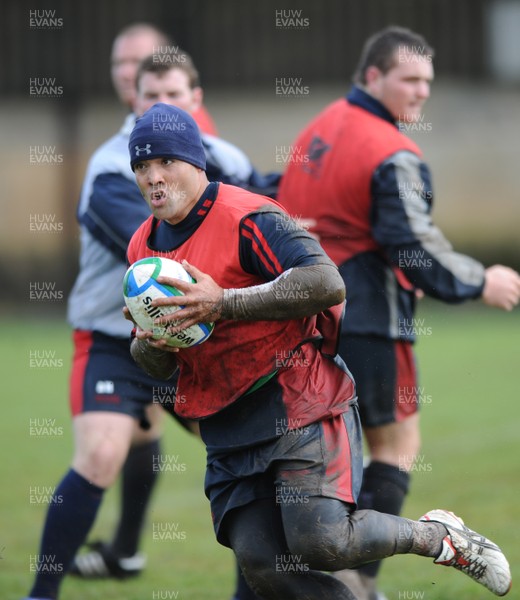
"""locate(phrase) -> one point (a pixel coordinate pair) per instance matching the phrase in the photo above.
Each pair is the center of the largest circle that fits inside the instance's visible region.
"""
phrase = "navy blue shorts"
(385, 375)
(105, 377)
(320, 459)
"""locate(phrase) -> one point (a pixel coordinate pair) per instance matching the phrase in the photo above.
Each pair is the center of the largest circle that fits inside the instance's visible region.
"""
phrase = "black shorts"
(105, 377)
(385, 375)
(320, 459)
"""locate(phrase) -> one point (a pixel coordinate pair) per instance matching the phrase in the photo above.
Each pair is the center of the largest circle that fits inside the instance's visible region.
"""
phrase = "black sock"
(139, 479)
(72, 511)
(384, 489)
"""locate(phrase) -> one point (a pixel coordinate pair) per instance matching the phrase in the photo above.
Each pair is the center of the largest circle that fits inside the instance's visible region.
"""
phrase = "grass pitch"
(469, 368)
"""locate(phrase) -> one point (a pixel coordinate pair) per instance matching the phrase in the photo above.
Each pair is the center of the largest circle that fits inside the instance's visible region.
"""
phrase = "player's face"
(170, 187)
(127, 54)
(404, 89)
(171, 87)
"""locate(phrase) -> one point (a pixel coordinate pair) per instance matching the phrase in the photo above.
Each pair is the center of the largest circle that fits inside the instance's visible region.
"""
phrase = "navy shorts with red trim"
(105, 377)
(321, 459)
(386, 379)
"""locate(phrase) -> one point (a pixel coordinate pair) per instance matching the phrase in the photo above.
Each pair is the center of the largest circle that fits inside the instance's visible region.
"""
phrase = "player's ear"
(373, 77)
(198, 96)
(372, 74)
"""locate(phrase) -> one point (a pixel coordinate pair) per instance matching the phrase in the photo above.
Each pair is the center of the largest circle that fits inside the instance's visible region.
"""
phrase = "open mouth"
(157, 197)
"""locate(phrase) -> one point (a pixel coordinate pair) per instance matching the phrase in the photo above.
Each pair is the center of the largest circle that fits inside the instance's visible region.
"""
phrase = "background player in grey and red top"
(110, 395)
(366, 192)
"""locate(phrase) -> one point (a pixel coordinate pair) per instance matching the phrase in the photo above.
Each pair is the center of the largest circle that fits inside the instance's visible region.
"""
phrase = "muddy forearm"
(296, 293)
(157, 363)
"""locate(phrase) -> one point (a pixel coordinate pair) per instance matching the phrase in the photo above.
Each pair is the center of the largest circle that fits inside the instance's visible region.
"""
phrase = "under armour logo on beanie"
(146, 149)
(165, 131)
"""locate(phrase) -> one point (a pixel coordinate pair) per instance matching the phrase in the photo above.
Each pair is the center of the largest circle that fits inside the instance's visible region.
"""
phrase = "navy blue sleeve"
(115, 211)
(267, 184)
(402, 225)
(272, 242)
(228, 164)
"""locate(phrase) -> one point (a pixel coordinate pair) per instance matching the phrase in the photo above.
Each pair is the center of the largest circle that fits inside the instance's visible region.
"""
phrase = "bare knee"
(396, 444)
(101, 446)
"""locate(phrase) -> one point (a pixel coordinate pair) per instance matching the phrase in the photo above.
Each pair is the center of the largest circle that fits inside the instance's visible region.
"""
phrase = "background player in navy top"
(367, 192)
(283, 494)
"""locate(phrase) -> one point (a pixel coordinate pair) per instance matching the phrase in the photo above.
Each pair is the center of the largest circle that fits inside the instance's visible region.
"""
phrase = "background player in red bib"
(276, 405)
(367, 192)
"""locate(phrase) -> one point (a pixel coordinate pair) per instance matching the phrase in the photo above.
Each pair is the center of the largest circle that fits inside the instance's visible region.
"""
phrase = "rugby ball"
(140, 288)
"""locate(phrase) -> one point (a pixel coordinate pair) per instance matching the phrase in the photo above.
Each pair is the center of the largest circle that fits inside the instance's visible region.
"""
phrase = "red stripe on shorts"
(405, 393)
(82, 343)
(338, 460)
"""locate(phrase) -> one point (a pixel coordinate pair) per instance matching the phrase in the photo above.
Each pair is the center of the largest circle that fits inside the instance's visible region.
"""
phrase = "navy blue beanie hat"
(165, 131)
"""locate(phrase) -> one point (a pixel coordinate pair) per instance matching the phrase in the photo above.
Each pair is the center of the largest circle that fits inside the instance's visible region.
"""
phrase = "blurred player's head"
(169, 78)
(130, 47)
(396, 68)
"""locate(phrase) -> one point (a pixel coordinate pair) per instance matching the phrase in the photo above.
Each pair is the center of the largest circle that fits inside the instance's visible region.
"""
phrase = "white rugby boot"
(471, 553)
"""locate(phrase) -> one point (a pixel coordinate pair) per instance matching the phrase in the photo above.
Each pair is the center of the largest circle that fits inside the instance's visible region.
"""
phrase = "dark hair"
(162, 63)
(380, 50)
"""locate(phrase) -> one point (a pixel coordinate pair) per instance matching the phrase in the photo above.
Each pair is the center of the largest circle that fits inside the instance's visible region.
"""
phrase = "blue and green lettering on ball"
(140, 288)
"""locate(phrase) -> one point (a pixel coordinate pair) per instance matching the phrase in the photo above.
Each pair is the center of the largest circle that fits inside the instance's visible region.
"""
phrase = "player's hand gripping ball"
(140, 288)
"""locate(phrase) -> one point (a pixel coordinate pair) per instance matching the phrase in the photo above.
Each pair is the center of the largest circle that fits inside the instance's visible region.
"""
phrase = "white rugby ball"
(140, 288)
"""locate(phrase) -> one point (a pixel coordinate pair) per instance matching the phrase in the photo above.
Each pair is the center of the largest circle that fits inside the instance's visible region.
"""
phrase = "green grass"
(469, 375)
